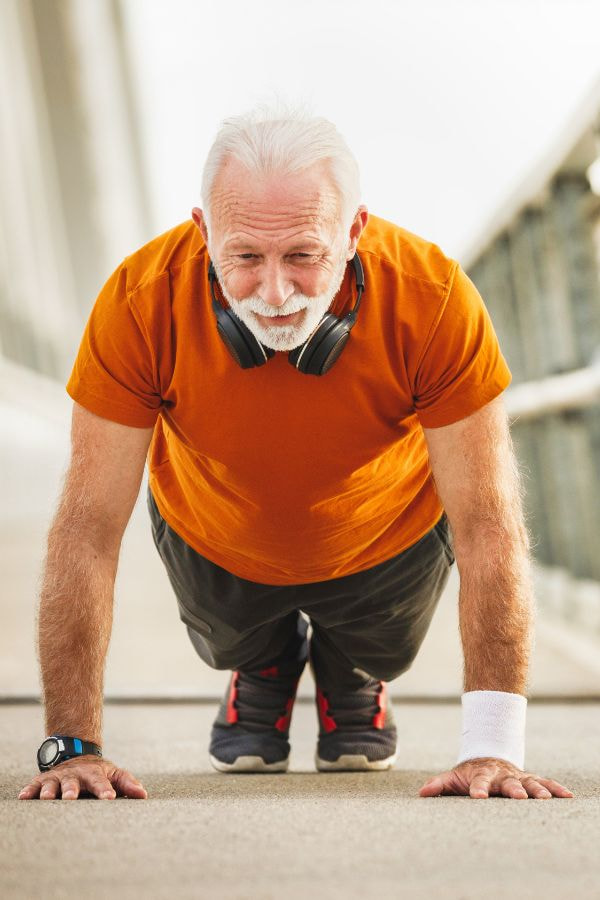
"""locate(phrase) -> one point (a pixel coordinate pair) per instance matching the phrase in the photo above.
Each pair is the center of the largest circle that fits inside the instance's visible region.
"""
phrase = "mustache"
(294, 304)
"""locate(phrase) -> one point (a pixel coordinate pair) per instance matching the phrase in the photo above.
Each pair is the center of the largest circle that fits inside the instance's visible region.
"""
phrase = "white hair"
(283, 139)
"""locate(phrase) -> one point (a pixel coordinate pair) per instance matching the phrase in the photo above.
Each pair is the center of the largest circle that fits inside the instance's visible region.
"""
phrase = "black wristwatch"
(58, 747)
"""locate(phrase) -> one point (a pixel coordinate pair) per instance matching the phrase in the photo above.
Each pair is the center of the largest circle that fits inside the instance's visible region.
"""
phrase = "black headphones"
(314, 357)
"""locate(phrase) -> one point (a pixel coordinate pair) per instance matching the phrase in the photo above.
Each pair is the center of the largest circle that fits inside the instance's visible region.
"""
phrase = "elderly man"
(300, 519)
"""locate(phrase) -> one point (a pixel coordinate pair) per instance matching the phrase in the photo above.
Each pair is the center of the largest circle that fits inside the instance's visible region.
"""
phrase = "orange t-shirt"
(281, 477)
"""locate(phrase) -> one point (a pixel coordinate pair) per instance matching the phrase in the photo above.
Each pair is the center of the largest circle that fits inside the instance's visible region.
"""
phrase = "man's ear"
(356, 229)
(198, 217)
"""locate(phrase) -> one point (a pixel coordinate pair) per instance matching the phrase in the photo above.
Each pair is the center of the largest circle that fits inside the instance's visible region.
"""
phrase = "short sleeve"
(461, 366)
(114, 374)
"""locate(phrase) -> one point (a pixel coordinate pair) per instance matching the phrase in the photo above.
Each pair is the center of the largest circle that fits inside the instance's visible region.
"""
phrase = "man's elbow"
(491, 540)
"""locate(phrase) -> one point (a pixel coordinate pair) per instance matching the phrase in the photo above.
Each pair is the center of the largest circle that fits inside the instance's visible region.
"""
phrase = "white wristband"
(493, 724)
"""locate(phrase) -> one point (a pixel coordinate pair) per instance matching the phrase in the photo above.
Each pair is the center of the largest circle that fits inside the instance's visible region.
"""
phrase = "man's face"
(278, 250)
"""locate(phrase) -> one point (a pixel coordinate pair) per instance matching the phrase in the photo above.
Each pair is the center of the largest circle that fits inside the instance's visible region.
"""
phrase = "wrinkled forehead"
(271, 205)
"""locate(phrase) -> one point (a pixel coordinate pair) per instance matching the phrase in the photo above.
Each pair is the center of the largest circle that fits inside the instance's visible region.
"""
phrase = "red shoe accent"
(328, 723)
(272, 672)
(283, 722)
(232, 713)
(379, 717)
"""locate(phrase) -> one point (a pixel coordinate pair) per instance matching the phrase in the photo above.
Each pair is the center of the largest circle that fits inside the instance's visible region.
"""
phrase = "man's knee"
(252, 649)
(386, 669)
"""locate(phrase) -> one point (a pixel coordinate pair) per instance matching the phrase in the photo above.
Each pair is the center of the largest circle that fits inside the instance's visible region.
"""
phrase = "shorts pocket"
(191, 619)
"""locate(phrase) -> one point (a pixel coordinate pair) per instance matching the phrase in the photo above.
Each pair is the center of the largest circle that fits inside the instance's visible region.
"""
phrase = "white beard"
(286, 337)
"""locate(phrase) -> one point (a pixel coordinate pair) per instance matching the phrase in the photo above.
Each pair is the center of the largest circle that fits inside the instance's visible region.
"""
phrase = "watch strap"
(69, 748)
(78, 747)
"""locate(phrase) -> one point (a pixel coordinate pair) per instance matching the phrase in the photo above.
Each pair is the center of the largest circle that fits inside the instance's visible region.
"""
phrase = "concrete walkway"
(201, 834)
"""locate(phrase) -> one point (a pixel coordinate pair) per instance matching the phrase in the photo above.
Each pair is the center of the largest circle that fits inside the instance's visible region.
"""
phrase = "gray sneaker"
(356, 729)
(250, 732)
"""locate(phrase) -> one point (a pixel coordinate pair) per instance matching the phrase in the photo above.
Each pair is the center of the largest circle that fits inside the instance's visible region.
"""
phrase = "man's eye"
(252, 255)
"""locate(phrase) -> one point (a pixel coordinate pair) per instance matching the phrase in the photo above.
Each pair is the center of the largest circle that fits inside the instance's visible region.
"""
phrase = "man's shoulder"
(163, 254)
(404, 254)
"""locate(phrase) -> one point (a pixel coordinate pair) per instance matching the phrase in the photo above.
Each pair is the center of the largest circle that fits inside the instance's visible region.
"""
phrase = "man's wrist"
(493, 724)
(57, 748)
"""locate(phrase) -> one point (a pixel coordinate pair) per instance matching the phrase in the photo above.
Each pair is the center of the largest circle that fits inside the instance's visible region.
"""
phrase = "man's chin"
(280, 342)
(278, 337)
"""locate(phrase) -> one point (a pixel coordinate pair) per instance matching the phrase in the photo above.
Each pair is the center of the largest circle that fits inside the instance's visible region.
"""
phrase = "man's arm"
(76, 599)
(478, 481)
(77, 591)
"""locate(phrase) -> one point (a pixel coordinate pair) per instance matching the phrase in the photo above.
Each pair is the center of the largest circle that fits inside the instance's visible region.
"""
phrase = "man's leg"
(367, 630)
(232, 623)
(253, 629)
(376, 620)
(367, 627)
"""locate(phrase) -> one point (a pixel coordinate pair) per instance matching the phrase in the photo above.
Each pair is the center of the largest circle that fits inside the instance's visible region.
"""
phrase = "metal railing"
(555, 394)
(537, 267)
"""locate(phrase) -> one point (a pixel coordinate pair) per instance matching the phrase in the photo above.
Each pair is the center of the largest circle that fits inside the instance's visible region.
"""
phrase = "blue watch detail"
(60, 747)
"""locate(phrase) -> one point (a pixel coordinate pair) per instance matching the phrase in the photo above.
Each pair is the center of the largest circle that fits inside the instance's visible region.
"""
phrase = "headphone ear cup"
(317, 355)
(247, 351)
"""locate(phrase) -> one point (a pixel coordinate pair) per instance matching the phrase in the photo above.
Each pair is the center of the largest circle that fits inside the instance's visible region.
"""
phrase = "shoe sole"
(249, 764)
(348, 762)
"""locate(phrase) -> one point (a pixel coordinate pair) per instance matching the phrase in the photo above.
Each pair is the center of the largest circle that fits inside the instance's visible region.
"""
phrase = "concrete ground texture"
(202, 834)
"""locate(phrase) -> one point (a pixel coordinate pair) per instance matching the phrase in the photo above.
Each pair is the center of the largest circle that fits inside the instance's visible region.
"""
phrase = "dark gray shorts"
(373, 621)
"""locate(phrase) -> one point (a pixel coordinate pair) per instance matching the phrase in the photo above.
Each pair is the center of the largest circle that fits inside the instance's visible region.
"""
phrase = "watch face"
(48, 751)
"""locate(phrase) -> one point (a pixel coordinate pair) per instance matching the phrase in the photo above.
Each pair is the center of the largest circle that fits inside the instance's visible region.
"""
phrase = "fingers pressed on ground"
(126, 783)
(535, 789)
(31, 791)
(70, 788)
(432, 787)
(512, 787)
(136, 790)
(555, 788)
(50, 789)
(480, 787)
(102, 788)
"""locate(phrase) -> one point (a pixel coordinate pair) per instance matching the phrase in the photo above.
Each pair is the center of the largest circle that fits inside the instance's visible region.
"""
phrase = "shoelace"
(355, 710)
(262, 700)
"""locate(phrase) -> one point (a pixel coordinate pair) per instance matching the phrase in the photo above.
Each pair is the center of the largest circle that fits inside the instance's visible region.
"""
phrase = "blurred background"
(476, 125)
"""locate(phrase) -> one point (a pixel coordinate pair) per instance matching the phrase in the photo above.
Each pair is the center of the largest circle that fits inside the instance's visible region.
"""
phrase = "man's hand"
(99, 777)
(486, 776)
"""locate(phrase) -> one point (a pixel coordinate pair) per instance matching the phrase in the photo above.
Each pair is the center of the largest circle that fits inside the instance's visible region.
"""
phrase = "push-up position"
(317, 393)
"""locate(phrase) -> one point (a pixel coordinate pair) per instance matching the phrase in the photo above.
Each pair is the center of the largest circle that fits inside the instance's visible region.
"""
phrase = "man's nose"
(275, 287)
